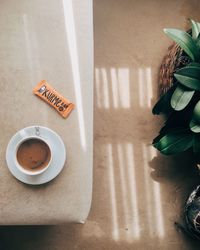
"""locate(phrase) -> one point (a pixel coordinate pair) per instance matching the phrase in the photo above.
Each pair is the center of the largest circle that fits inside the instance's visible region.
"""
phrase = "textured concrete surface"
(28, 53)
(138, 194)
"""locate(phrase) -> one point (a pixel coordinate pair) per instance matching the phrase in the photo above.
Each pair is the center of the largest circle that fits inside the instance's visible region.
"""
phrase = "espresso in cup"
(33, 154)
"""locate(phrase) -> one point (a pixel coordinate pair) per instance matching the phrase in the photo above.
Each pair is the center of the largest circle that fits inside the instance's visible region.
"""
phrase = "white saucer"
(58, 155)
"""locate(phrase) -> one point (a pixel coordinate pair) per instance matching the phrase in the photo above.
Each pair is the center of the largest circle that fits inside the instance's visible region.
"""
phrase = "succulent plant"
(181, 103)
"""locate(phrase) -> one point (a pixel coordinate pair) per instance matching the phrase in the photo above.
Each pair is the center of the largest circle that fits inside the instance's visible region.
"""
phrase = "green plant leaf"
(185, 41)
(179, 119)
(196, 143)
(195, 64)
(163, 104)
(189, 76)
(195, 29)
(174, 142)
(198, 42)
(194, 126)
(165, 129)
(173, 130)
(196, 113)
(181, 97)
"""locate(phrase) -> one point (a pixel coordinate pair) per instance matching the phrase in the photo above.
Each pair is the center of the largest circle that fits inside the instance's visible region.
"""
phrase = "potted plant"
(181, 102)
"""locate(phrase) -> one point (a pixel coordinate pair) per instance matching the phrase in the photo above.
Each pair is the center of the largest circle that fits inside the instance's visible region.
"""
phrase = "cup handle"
(37, 130)
(23, 134)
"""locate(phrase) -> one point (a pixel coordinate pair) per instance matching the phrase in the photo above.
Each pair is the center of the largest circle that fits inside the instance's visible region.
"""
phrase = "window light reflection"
(72, 43)
(123, 184)
(157, 200)
(124, 88)
(149, 90)
(148, 193)
(111, 181)
(114, 83)
(145, 87)
(132, 190)
(105, 89)
(97, 85)
(113, 88)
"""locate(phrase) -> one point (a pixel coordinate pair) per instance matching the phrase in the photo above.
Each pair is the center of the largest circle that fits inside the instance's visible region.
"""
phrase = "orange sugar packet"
(52, 97)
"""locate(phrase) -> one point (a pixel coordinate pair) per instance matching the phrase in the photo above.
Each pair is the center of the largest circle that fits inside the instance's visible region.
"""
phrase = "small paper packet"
(52, 97)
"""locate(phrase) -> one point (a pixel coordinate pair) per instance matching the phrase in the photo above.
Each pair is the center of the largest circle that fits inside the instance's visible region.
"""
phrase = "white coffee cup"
(25, 137)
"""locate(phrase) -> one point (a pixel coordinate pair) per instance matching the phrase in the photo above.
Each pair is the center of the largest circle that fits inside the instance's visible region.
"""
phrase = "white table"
(51, 40)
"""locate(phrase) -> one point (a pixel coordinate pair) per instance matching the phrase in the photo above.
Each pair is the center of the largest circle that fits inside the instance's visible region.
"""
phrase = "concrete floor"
(138, 194)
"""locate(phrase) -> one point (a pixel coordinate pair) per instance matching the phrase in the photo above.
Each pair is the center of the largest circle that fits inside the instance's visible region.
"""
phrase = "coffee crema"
(33, 154)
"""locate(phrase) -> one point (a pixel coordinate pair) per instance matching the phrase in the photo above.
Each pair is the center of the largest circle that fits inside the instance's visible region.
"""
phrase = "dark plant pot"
(192, 213)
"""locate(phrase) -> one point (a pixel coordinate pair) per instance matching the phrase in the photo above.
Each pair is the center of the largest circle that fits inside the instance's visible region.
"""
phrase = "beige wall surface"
(138, 194)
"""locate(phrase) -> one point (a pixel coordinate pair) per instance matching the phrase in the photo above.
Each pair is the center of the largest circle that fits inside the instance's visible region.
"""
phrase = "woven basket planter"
(173, 60)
